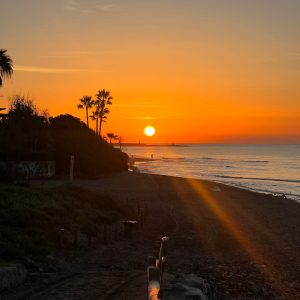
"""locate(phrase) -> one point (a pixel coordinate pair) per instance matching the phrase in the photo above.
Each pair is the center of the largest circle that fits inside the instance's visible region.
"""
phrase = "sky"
(199, 71)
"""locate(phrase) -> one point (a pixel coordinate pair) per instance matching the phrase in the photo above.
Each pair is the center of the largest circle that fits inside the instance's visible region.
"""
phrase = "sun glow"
(149, 131)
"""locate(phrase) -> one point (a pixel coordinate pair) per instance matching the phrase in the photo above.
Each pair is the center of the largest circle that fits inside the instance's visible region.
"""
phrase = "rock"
(216, 189)
(187, 287)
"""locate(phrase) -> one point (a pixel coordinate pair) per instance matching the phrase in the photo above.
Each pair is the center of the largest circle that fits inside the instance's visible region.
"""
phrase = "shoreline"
(259, 191)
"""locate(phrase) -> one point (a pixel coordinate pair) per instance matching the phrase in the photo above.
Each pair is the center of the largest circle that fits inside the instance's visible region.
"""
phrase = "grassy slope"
(30, 218)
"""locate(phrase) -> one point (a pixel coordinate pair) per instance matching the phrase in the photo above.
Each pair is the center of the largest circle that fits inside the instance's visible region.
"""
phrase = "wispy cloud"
(107, 7)
(55, 70)
(138, 105)
(70, 5)
(72, 54)
(83, 7)
(139, 118)
(74, 6)
(44, 70)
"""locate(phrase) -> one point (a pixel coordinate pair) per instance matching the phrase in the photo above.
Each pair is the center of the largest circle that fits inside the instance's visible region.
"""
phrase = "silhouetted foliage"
(28, 136)
(103, 99)
(93, 155)
(87, 103)
(111, 137)
(6, 66)
(24, 135)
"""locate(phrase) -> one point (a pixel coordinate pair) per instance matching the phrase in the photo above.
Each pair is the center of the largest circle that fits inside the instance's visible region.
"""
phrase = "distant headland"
(154, 145)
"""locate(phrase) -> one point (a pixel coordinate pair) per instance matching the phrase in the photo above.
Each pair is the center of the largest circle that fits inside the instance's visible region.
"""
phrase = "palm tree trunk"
(87, 117)
(97, 125)
(100, 126)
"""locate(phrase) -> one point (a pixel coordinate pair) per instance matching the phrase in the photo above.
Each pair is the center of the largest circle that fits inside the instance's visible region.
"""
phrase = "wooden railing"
(155, 268)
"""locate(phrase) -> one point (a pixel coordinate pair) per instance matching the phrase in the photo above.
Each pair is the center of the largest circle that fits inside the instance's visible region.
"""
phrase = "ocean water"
(263, 168)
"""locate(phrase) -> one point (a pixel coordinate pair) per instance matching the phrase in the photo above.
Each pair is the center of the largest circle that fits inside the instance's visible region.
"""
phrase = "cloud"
(106, 7)
(44, 70)
(70, 5)
(139, 118)
(72, 54)
(138, 105)
(33, 69)
(83, 7)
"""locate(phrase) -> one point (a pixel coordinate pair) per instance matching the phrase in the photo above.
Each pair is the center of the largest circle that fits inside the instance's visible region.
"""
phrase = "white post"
(71, 169)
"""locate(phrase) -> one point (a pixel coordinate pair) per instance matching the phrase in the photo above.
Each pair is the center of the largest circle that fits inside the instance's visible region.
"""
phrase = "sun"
(149, 130)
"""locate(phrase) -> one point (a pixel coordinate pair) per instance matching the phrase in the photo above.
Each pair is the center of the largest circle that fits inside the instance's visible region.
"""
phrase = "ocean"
(271, 169)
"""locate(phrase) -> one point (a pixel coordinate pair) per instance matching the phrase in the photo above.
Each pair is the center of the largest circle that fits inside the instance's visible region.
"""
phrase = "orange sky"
(198, 71)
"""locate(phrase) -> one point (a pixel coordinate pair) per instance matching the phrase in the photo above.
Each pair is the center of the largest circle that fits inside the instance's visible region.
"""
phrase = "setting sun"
(149, 131)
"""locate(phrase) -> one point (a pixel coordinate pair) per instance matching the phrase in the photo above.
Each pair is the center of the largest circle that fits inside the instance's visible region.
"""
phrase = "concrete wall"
(12, 276)
(32, 169)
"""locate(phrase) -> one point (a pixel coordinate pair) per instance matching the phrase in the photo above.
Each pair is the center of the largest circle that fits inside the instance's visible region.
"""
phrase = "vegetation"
(99, 115)
(6, 66)
(24, 134)
(104, 99)
(27, 135)
(34, 220)
(112, 136)
(93, 156)
(87, 103)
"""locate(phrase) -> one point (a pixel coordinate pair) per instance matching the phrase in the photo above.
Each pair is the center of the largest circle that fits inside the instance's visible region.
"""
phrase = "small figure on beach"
(151, 156)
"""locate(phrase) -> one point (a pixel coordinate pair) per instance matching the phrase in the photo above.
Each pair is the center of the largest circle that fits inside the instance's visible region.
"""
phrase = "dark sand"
(246, 245)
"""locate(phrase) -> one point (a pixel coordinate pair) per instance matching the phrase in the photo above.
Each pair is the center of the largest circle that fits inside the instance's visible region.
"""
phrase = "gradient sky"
(199, 71)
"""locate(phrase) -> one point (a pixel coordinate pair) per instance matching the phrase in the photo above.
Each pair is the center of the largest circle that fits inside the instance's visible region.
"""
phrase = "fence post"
(153, 283)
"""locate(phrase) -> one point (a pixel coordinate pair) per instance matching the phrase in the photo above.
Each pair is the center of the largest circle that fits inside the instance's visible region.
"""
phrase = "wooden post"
(151, 261)
(153, 283)
(162, 256)
(71, 169)
(163, 251)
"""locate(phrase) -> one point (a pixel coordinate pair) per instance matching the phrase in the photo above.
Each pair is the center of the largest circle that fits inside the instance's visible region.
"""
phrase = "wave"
(258, 178)
(173, 158)
(255, 161)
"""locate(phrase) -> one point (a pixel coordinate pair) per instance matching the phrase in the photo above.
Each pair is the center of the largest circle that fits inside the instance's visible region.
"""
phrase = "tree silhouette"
(104, 98)
(86, 102)
(94, 116)
(111, 137)
(6, 66)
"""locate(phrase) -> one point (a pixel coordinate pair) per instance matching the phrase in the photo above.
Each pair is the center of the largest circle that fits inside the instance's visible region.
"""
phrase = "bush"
(93, 156)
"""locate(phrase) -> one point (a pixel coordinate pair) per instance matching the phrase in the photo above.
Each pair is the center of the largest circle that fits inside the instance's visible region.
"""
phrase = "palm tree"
(104, 98)
(111, 137)
(6, 66)
(95, 116)
(86, 102)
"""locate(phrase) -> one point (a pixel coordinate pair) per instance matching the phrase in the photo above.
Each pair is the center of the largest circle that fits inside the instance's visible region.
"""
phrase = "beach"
(244, 244)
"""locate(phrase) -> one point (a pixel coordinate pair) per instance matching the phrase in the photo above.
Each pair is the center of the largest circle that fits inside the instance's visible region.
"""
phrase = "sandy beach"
(244, 244)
